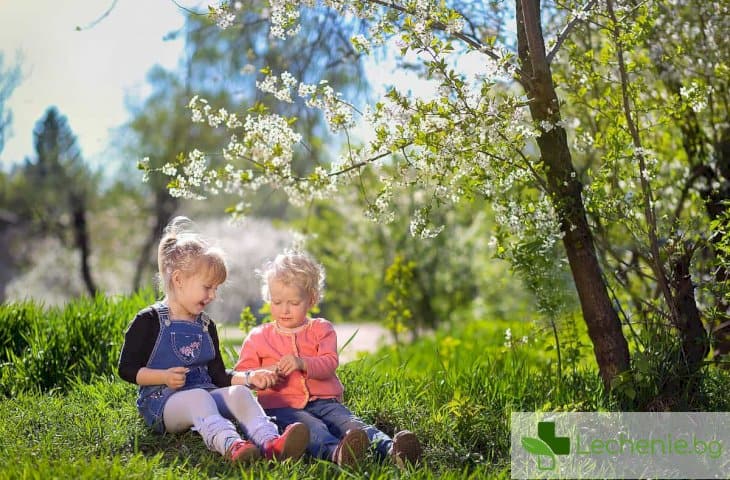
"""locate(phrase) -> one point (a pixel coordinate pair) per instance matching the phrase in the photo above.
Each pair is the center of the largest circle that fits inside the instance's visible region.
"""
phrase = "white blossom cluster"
(337, 112)
(223, 14)
(695, 95)
(419, 225)
(285, 17)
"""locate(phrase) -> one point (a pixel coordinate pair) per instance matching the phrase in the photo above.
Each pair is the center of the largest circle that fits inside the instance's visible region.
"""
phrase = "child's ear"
(176, 278)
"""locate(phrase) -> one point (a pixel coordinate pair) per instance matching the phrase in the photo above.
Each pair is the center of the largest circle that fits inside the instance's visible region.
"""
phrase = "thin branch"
(568, 29)
(540, 181)
(191, 12)
(475, 114)
(698, 172)
(363, 163)
(102, 17)
(363, 191)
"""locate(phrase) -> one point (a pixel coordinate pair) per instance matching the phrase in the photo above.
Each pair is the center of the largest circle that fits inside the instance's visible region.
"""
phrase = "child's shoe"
(406, 449)
(352, 448)
(290, 444)
(243, 451)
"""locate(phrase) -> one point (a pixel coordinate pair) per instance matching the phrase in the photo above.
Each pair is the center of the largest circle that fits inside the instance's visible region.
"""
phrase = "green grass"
(455, 388)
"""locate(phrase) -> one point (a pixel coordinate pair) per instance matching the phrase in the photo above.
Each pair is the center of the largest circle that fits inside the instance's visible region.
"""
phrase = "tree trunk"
(604, 327)
(165, 207)
(693, 336)
(83, 243)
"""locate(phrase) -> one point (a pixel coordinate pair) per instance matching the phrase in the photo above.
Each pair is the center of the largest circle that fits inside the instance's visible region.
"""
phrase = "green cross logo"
(547, 444)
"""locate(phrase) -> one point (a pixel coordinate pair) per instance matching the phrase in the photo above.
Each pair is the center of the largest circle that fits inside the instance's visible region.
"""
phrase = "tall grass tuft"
(44, 349)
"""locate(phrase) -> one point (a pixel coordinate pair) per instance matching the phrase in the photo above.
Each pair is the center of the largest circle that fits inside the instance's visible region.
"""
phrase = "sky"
(86, 74)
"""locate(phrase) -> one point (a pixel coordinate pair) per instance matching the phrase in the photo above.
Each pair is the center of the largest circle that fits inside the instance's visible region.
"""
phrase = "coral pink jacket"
(315, 343)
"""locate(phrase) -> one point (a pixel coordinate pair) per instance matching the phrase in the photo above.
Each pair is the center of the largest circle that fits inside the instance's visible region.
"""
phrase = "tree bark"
(165, 207)
(604, 327)
(83, 242)
(693, 336)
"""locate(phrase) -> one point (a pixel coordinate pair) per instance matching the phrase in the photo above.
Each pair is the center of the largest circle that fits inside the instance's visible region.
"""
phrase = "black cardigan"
(140, 338)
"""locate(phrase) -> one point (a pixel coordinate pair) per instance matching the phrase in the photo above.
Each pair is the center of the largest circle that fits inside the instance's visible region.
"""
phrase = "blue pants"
(328, 421)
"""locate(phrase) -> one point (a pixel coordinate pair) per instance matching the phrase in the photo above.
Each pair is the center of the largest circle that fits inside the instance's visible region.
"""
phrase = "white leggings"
(209, 412)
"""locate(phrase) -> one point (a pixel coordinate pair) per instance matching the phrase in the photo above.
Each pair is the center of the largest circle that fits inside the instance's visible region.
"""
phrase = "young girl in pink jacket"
(301, 355)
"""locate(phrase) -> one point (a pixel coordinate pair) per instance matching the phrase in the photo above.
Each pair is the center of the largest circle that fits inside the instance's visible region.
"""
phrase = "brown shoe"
(406, 449)
(352, 448)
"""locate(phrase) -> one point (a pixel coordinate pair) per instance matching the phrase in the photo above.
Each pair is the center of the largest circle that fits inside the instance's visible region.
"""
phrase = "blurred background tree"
(53, 192)
(9, 78)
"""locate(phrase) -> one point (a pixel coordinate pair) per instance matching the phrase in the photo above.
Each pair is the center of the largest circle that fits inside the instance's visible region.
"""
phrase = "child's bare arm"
(173, 377)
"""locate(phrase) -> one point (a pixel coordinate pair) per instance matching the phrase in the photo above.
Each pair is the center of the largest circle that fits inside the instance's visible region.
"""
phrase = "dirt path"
(368, 337)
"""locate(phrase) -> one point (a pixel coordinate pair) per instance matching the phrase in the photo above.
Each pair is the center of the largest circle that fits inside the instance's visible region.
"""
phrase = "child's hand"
(263, 378)
(175, 377)
(289, 364)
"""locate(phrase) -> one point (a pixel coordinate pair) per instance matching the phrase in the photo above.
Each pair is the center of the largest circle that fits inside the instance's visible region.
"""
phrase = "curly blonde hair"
(294, 268)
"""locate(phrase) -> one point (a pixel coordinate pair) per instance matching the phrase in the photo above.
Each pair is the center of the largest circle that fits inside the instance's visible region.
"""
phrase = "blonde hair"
(294, 268)
(181, 248)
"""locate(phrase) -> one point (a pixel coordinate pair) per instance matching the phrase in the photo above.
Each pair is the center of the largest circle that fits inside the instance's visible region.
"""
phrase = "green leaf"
(536, 446)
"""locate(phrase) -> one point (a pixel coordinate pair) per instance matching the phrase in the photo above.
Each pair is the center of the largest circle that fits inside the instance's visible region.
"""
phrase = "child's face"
(289, 304)
(194, 292)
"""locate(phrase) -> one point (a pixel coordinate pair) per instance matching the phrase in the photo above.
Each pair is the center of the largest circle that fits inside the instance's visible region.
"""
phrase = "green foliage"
(46, 349)
(247, 320)
(395, 307)
(678, 110)
(658, 367)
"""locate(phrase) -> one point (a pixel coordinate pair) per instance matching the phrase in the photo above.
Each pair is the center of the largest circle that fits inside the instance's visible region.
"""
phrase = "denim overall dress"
(180, 344)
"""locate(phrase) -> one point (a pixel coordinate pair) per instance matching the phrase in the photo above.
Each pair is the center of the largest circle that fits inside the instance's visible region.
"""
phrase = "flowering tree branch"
(565, 33)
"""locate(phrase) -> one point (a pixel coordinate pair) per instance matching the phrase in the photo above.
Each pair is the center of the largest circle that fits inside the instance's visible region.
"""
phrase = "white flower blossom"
(169, 169)
(546, 126)
(508, 338)
(223, 15)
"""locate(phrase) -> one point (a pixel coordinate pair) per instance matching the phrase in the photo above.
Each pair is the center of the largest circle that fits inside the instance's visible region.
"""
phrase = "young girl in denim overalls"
(171, 350)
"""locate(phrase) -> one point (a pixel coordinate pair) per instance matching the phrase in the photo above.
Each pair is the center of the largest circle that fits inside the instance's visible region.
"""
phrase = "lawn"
(67, 415)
